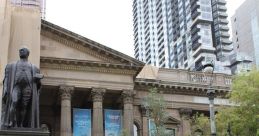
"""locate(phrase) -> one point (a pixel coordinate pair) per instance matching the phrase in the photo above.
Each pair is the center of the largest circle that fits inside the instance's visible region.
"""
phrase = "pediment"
(57, 42)
(171, 120)
(55, 49)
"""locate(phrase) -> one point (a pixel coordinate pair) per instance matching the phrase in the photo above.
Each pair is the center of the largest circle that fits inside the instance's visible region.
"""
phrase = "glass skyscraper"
(181, 33)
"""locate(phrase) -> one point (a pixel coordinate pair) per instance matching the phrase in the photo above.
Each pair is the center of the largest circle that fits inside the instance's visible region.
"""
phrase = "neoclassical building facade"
(81, 73)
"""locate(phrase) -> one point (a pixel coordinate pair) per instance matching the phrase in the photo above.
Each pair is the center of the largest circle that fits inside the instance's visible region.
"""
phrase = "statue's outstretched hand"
(38, 77)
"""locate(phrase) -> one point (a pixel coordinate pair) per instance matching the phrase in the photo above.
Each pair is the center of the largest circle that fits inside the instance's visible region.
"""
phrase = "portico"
(56, 111)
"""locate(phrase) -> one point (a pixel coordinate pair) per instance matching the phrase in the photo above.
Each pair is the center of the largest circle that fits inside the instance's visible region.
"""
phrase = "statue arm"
(39, 81)
(38, 78)
(5, 82)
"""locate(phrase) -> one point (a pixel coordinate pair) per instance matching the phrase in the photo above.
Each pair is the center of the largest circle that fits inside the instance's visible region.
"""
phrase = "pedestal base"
(24, 132)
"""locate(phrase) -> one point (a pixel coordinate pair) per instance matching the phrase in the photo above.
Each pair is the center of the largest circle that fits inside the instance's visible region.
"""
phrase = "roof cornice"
(180, 88)
(85, 65)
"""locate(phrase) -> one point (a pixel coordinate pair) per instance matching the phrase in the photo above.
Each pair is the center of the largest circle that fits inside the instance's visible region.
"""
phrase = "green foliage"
(200, 122)
(243, 118)
(245, 93)
(156, 106)
(124, 133)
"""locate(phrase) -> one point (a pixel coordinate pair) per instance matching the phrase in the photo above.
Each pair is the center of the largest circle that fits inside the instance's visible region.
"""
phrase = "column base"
(24, 132)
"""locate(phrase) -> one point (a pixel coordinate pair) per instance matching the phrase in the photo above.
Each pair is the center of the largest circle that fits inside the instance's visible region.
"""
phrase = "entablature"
(196, 89)
(86, 65)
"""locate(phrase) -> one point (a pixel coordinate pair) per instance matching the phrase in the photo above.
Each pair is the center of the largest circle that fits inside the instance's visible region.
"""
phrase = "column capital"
(185, 112)
(127, 96)
(66, 92)
(144, 111)
(97, 94)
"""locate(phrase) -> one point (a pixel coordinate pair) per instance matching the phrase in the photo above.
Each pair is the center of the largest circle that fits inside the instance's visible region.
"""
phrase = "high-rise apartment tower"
(181, 33)
(245, 29)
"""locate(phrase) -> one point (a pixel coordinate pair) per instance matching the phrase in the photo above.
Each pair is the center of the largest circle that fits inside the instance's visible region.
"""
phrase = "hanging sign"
(112, 122)
(81, 122)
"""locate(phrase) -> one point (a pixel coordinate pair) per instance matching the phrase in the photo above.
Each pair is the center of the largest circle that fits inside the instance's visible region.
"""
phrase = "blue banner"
(112, 122)
(81, 122)
(151, 127)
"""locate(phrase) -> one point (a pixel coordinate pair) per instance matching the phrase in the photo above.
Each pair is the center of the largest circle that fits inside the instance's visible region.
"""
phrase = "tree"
(245, 94)
(156, 106)
(200, 123)
(242, 118)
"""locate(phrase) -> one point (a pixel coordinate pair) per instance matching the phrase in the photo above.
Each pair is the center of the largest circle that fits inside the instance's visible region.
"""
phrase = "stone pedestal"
(97, 98)
(65, 123)
(24, 132)
(128, 111)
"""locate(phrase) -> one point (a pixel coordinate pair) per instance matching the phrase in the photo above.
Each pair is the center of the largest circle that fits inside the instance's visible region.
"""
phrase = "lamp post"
(209, 68)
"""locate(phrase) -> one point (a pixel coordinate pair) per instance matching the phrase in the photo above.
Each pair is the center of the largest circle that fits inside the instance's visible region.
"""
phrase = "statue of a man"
(20, 99)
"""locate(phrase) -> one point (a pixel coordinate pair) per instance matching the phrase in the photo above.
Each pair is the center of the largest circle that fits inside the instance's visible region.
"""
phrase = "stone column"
(186, 121)
(97, 98)
(144, 113)
(65, 121)
(128, 112)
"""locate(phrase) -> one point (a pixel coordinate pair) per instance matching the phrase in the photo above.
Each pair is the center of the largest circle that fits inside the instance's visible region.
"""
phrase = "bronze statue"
(21, 88)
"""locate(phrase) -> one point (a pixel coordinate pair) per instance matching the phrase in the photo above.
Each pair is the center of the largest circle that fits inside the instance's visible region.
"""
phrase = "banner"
(151, 127)
(81, 122)
(112, 122)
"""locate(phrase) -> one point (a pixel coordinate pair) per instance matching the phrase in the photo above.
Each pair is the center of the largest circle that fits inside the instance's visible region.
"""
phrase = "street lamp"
(209, 68)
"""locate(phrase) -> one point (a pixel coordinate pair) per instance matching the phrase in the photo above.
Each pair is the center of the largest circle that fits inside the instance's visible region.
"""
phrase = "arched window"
(135, 130)
(170, 131)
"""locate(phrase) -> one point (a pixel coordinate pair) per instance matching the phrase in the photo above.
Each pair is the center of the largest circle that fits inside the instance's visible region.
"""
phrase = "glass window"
(136, 131)
(170, 132)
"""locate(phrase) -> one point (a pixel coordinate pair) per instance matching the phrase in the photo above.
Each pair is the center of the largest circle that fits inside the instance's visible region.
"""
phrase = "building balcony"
(222, 8)
(203, 49)
(227, 48)
(147, 47)
(195, 30)
(195, 6)
(198, 67)
(222, 14)
(223, 21)
(193, 2)
(224, 28)
(224, 34)
(136, 50)
(195, 37)
(136, 55)
(222, 2)
(195, 14)
(195, 45)
(225, 41)
(136, 44)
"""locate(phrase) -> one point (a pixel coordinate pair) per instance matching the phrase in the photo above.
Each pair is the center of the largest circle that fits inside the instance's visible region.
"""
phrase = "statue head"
(24, 53)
